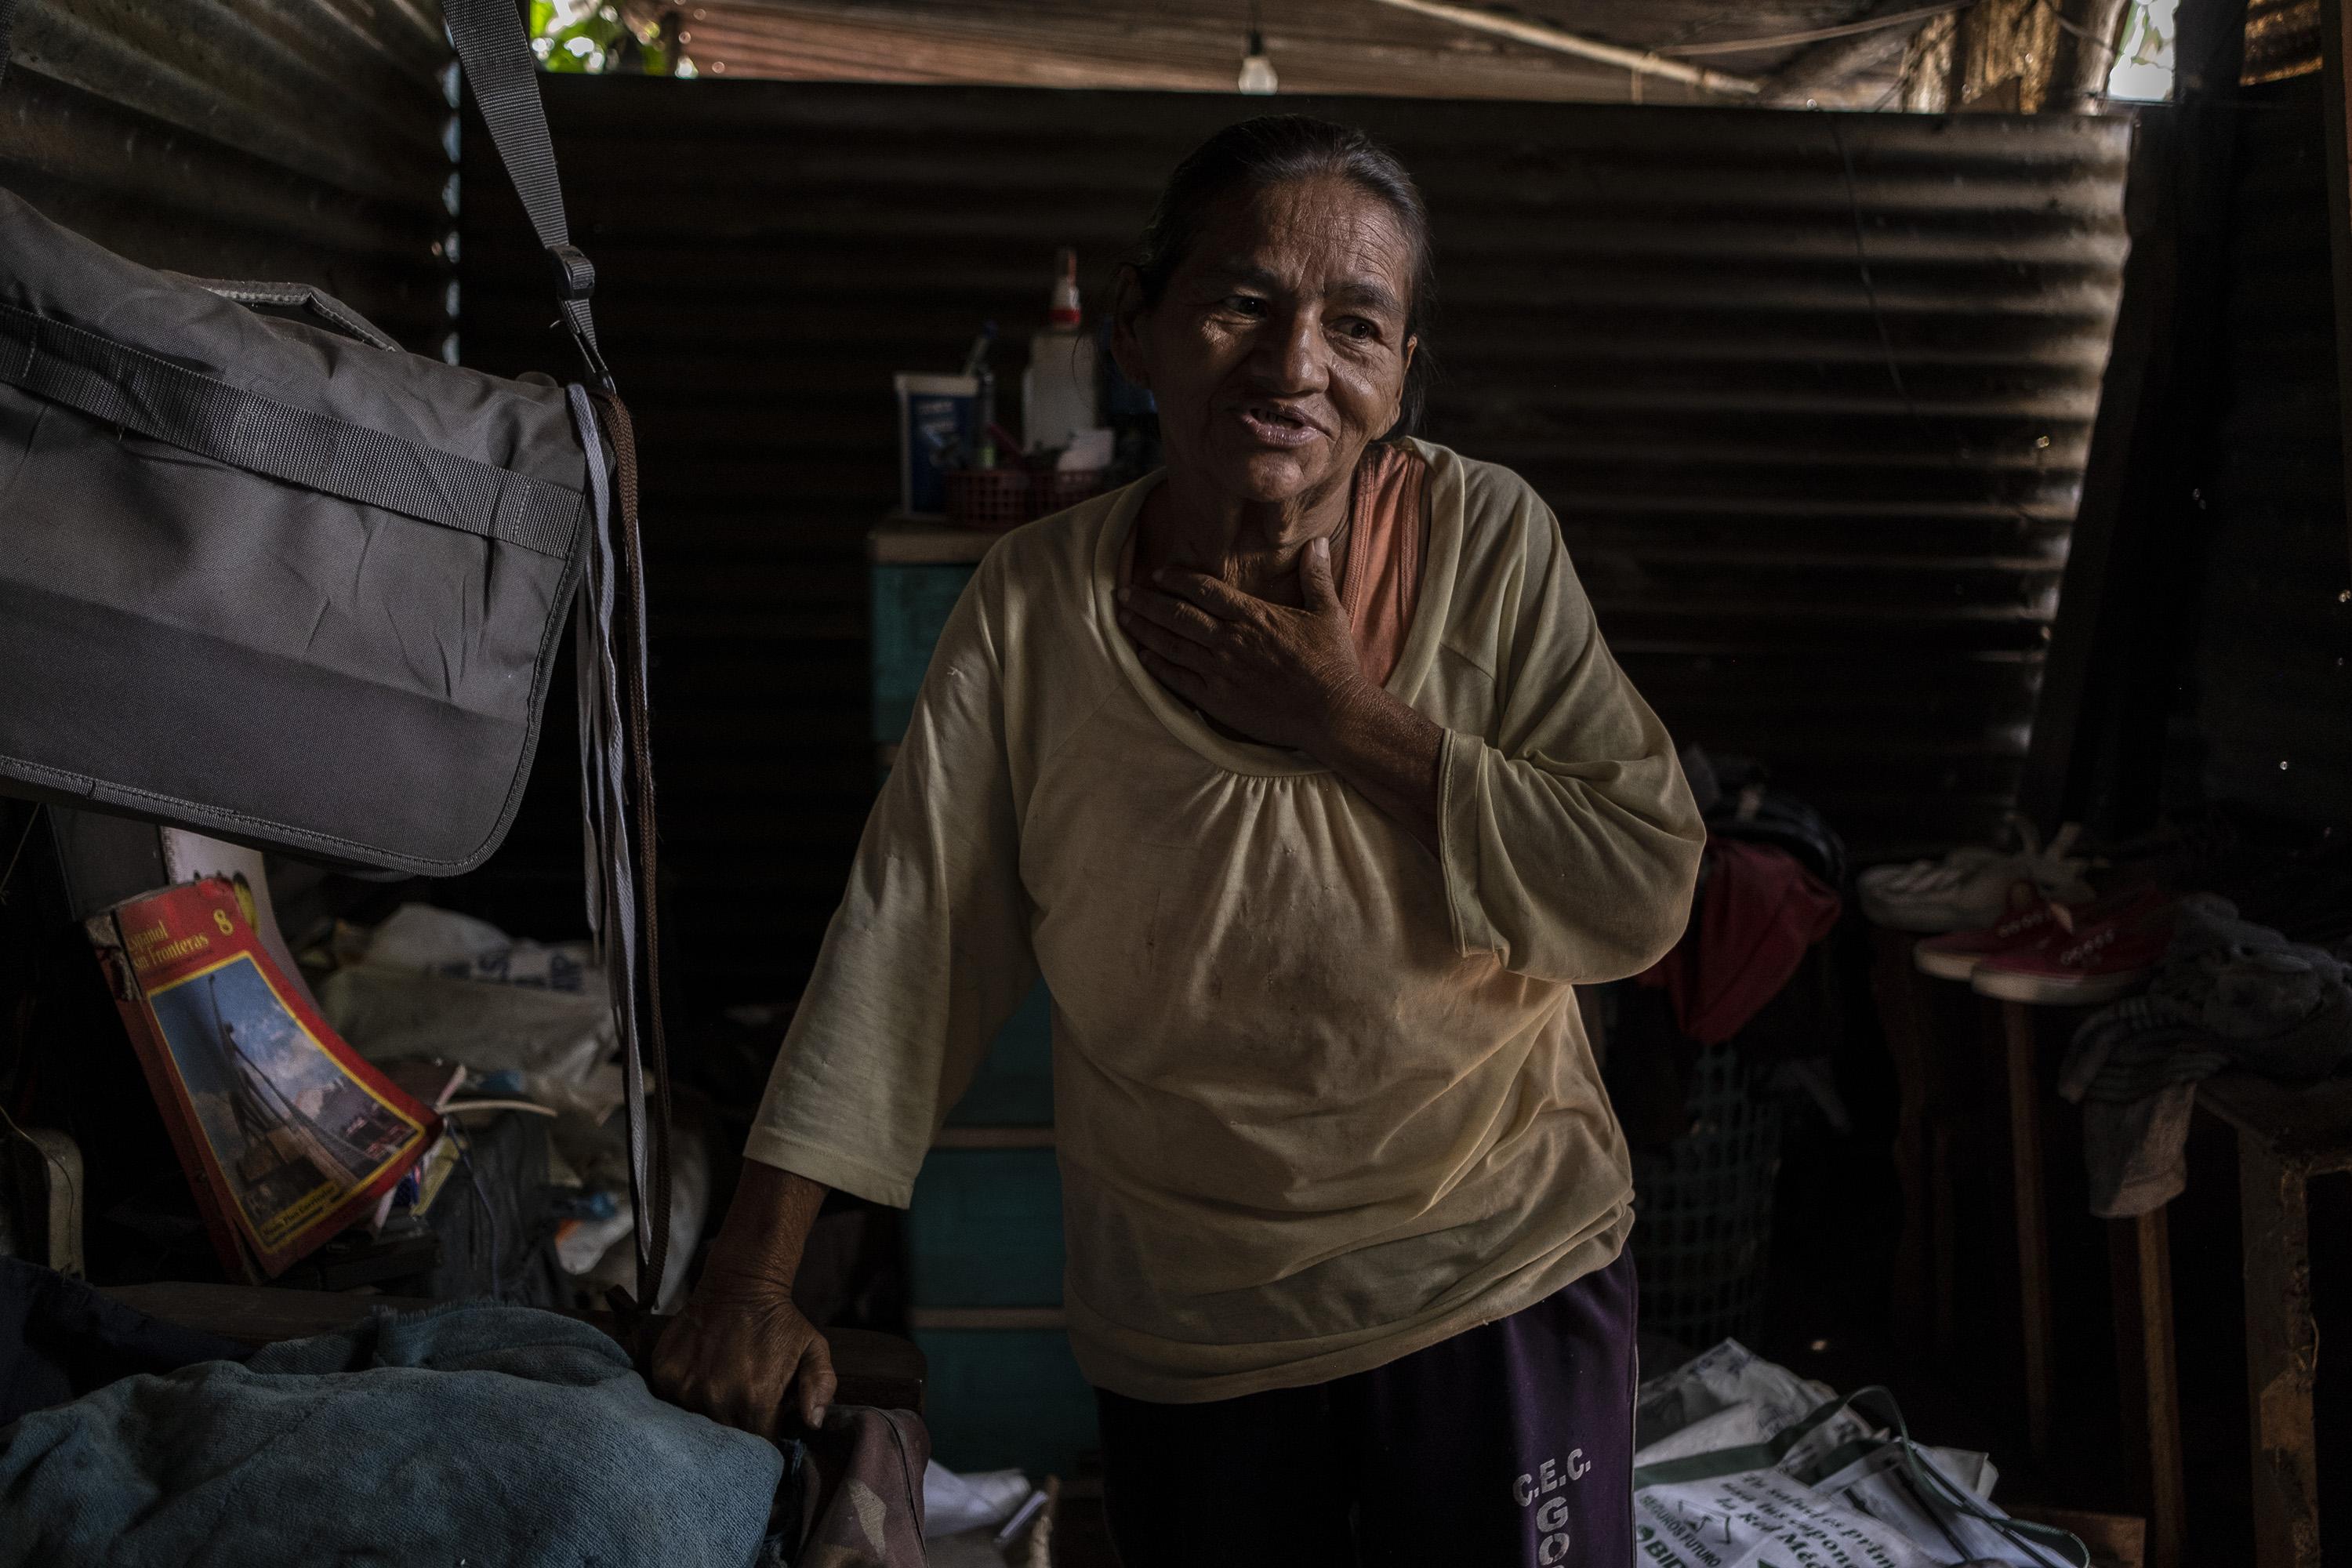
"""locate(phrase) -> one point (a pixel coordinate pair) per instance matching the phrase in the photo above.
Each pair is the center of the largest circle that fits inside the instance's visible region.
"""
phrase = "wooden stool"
(2139, 1254)
(2140, 1269)
(2286, 1135)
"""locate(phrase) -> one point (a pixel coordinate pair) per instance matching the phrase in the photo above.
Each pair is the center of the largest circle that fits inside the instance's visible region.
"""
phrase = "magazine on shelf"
(286, 1133)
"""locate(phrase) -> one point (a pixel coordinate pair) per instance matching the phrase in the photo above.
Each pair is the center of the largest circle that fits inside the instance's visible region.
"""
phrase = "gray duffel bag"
(266, 575)
(280, 582)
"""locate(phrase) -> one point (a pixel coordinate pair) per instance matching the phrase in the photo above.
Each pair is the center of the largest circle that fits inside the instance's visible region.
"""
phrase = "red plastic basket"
(988, 497)
(1058, 492)
(1009, 496)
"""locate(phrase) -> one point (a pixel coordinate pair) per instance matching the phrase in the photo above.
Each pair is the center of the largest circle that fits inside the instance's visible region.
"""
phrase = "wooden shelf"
(927, 541)
(987, 1317)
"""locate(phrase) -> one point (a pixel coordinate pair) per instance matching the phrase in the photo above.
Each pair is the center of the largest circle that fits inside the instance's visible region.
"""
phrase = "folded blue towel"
(477, 1433)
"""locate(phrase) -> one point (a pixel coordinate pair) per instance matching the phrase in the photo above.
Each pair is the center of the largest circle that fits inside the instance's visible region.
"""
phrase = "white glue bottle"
(1058, 391)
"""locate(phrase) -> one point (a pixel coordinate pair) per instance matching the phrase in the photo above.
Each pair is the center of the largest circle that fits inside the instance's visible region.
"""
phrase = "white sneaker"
(1974, 887)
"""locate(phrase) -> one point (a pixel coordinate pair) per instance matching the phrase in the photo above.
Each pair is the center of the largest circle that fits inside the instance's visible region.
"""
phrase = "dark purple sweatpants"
(1509, 1445)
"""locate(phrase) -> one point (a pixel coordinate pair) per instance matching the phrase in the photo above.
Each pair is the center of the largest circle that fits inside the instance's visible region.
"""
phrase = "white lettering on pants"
(1551, 1519)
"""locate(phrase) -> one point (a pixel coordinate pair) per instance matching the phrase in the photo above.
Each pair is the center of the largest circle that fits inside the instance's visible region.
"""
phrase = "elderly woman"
(1302, 774)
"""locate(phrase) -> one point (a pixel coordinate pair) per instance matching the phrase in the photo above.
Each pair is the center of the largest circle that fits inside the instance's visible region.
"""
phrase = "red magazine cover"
(286, 1133)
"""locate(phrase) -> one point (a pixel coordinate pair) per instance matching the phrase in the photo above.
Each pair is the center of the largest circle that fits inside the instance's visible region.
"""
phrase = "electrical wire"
(1902, 78)
(1960, 443)
(23, 838)
(1818, 35)
(1870, 284)
(2079, 30)
(1927, 1482)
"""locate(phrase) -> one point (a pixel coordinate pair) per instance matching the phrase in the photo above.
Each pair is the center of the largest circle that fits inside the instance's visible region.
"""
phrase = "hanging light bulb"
(1258, 71)
(1257, 77)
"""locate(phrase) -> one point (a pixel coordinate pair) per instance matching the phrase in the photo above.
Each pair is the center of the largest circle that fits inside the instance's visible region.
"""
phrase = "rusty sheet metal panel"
(2268, 697)
(2282, 40)
(1810, 393)
(302, 139)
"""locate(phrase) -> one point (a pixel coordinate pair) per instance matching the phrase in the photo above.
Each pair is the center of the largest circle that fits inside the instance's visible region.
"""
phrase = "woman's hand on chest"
(1274, 674)
(1291, 677)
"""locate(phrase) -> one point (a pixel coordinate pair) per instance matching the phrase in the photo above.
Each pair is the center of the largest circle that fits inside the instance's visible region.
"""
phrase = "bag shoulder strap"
(504, 75)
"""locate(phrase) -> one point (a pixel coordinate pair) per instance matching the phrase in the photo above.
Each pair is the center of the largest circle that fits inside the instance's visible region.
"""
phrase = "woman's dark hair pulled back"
(1274, 150)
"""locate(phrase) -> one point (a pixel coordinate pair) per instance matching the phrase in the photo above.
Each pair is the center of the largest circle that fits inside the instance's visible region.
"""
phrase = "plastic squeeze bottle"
(1058, 395)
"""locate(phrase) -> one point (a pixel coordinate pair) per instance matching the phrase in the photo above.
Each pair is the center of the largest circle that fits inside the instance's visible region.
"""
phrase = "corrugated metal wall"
(244, 138)
(1822, 506)
(2267, 713)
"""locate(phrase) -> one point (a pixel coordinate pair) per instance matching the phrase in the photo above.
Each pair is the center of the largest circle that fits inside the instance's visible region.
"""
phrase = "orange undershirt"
(1384, 550)
(1381, 579)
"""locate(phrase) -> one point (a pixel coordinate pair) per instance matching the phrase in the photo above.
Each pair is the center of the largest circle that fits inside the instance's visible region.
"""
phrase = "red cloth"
(1758, 912)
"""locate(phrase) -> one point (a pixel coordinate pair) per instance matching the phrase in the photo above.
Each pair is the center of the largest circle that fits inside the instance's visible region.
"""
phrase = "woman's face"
(1279, 348)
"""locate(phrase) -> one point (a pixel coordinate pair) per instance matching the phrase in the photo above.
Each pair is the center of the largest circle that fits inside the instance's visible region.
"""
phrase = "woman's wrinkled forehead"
(1325, 233)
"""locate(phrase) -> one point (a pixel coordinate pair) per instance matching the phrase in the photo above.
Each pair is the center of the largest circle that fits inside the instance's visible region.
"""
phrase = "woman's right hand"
(737, 1350)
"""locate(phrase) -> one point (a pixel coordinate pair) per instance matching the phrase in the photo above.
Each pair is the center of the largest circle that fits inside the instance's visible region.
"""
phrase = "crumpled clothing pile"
(2229, 993)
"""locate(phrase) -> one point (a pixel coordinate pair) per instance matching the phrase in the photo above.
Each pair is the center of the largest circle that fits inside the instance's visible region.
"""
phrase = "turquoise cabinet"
(1002, 1398)
(911, 601)
(984, 1231)
(1015, 1087)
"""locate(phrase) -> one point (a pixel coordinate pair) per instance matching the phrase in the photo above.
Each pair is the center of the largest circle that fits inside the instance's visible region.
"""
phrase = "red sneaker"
(2087, 957)
(1956, 954)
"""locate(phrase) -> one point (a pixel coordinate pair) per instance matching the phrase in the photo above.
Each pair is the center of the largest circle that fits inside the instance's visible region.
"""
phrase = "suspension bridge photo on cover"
(292, 1130)
(286, 1133)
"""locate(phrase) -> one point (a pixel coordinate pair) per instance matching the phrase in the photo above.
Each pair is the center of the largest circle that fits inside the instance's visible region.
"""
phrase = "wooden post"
(1906, 1044)
(1944, 1275)
(2164, 546)
(2335, 48)
(1925, 1270)
(2147, 1378)
(2282, 1356)
(2093, 648)
(2019, 1039)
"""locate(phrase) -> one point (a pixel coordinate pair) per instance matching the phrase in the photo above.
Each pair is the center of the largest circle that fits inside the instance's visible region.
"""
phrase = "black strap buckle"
(591, 359)
(575, 275)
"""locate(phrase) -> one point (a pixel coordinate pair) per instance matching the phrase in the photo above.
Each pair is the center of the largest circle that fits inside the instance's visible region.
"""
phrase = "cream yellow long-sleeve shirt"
(1321, 1098)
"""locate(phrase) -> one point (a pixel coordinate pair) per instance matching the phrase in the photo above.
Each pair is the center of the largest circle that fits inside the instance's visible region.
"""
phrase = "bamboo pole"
(1548, 37)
